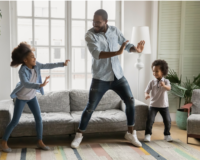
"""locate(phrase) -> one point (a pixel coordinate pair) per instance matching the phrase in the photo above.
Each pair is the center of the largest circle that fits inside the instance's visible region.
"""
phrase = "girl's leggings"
(19, 106)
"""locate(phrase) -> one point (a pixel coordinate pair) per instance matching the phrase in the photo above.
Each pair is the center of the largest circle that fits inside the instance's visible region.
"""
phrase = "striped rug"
(160, 150)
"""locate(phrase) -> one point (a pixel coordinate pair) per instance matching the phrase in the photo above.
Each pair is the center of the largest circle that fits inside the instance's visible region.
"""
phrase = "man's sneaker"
(133, 138)
(77, 140)
(147, 138)
(168, 138)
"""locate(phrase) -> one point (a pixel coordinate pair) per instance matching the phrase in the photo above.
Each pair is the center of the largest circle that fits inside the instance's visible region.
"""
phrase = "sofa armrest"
(196, 101)
(6, 114)
(137, 104)
(141, 113)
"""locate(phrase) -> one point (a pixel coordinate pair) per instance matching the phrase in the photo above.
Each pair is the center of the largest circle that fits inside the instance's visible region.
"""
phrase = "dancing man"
(103, 41)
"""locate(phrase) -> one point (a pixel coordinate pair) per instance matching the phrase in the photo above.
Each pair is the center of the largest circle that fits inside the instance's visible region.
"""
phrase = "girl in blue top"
(30, 83)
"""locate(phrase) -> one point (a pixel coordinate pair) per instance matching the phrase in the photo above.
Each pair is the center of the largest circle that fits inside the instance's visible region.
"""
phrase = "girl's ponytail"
(19, 53)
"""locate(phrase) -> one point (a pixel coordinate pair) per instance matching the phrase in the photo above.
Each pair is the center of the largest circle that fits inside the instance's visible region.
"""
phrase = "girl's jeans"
(19, 106)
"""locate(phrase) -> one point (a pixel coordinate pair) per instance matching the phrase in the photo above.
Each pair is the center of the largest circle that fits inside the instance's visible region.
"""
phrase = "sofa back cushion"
(79, 99)
(56, 101)
(196, 101)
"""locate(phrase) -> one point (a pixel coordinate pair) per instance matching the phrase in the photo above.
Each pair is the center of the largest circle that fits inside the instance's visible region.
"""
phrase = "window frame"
(68, 38)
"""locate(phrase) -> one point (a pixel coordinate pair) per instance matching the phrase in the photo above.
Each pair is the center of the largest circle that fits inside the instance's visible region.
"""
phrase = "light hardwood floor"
(176, 133)
(158, 129)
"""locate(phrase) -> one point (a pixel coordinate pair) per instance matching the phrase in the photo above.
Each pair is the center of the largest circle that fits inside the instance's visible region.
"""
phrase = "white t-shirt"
(28, 93)
(158, 96)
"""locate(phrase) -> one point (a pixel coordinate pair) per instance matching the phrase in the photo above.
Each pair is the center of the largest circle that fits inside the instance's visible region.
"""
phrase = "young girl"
(158, 99)
(30, 82)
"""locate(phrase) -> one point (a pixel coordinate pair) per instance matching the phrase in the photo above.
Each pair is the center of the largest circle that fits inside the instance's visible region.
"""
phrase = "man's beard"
(101, 29)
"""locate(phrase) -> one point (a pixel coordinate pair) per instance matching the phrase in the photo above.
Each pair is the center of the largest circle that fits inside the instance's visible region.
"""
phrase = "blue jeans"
(98, 89)
(19, 106)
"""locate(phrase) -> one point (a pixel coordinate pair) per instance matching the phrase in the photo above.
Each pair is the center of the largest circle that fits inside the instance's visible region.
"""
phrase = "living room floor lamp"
(138, 34)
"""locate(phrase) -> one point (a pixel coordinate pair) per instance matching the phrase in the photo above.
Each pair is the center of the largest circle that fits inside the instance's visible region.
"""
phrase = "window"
(56, 30)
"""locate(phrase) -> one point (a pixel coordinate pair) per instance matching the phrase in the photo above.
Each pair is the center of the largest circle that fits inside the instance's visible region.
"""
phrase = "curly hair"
(163, 66)
(19, 53)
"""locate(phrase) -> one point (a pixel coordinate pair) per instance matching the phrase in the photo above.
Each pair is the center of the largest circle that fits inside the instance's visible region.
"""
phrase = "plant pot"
(181, 119)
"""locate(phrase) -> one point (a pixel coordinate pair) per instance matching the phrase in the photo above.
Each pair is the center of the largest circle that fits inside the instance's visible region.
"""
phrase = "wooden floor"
(158, 129)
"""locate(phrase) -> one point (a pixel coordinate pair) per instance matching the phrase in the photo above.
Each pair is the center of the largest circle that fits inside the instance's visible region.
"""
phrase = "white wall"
(5, 70)
(140, 13)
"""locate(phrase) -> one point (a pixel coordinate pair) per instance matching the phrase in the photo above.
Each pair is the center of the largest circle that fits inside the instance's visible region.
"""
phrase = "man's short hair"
(102, 13)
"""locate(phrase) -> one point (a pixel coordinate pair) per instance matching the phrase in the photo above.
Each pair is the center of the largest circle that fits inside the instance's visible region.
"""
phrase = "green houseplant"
(182, 90)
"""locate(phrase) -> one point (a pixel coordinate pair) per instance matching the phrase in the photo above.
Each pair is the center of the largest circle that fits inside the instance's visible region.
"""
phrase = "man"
(102, 41)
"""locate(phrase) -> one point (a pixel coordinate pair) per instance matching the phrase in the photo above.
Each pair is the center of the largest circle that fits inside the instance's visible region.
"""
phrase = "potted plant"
(182, 90)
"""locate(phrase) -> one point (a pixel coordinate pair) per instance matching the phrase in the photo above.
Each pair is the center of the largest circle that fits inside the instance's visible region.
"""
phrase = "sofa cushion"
(193, 124)
(57, 123)
(79, 99)
(57, 101)
(103, 121)
(196, 101)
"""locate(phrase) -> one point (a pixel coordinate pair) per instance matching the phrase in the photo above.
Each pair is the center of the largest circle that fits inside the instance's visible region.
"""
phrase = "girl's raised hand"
(45, 82)
(66, 62)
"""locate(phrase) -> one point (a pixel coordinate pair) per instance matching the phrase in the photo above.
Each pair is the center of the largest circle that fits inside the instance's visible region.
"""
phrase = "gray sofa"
(61, 113)
(193, 121)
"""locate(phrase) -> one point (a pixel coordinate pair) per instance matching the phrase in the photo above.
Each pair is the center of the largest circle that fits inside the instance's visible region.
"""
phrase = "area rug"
(160, 150)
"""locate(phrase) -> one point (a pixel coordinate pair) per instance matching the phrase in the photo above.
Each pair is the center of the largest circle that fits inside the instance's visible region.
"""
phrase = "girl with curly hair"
(30, 82)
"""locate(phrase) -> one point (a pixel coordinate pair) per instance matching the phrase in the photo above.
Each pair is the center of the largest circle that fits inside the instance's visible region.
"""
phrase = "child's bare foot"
(5, 147)
(41, 145)
(40, 142)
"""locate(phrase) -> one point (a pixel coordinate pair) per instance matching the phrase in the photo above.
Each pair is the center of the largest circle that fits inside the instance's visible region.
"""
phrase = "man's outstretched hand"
(139, 47)
(122, 48)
